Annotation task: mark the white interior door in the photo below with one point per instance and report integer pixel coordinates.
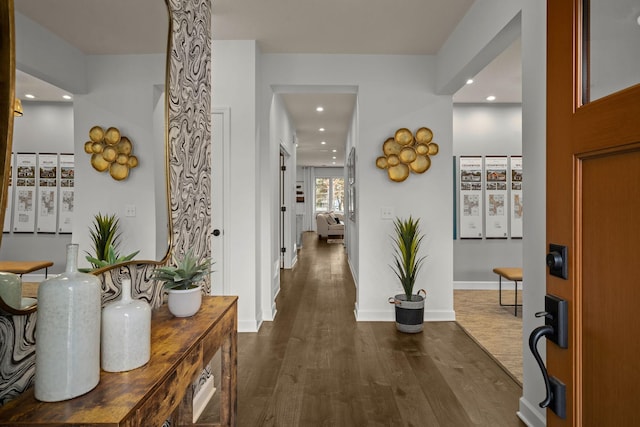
(219, 199)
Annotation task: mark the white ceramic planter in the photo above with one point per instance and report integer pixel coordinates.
(126, 332)
(185, 303)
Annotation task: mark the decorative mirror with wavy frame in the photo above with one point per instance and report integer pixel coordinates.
(188, 151)
(8, 94)
(7, 79)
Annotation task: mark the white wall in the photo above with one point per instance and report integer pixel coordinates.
(46, 127)
(108, 91)
(121, 94)
(160, 173)
(234, 75)
(303, 175)
(534, 174)
(485, 130)
(488, 28)
(613, 41)
(46, 56)
(352, 239)
(331, 172)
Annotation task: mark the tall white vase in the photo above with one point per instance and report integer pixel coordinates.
(126, 332)
(68, 333)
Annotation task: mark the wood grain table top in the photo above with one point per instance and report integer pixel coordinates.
(23, 267)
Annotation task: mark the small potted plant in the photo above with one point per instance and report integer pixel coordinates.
(105, 236)
(407, 263)
(181, 282)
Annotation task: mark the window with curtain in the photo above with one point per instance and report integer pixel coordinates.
(329, 194)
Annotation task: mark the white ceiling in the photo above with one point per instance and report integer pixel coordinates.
(284, 26)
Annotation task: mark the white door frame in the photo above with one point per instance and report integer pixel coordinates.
(287, 201)
(220, 190)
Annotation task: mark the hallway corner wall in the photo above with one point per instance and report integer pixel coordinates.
(234, 71)
(534, 170)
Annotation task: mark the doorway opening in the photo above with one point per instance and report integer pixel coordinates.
(489, 134)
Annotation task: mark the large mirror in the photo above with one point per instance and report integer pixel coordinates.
(115, 75)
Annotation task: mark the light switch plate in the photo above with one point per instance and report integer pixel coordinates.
(130, 210)
(387, 213)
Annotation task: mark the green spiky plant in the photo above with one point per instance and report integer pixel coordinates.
(407, 242)
(105, 236)
(184, 274)
(111, 258)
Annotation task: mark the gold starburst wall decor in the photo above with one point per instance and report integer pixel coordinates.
(112, 151)
(406, 153)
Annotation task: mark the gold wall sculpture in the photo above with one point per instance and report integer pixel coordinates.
(406, 153)
(112, 151)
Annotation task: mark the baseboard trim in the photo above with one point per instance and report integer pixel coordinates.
(249, 325)
(355, 282)
(530, 415)
(484, 286)
(389, 316)
(203, 397)
(439, 316)
(375, 316)
(353, 274)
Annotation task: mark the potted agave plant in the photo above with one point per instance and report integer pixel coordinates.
(407, 263)
(182, 283)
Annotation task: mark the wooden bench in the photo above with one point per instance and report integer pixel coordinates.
(24, 267)
(509, 273)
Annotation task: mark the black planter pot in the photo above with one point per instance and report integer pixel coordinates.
(409, 313)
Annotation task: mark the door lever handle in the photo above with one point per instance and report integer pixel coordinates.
(535, 336)
(556, 330)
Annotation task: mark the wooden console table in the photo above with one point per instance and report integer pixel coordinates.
(147, 396)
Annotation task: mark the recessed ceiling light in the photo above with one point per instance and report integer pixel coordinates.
(319, 109)
(321, 129)
(66, 96)
(334, 151)
(28, 95)
(296, 145)
(491, 98)
(469, 81)
(323, 142)
(334, 163)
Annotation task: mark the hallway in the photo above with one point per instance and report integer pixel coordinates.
(315, 366)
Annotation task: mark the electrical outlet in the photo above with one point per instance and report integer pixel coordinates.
(387, 212)
(130, 210)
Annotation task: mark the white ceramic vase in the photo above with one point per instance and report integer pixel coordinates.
(11, 289)
(126, 332)
(185, 303)
(68, 333)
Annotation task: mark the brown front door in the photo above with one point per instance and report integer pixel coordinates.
(593, 207)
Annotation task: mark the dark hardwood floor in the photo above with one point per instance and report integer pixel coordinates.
(316, 366)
